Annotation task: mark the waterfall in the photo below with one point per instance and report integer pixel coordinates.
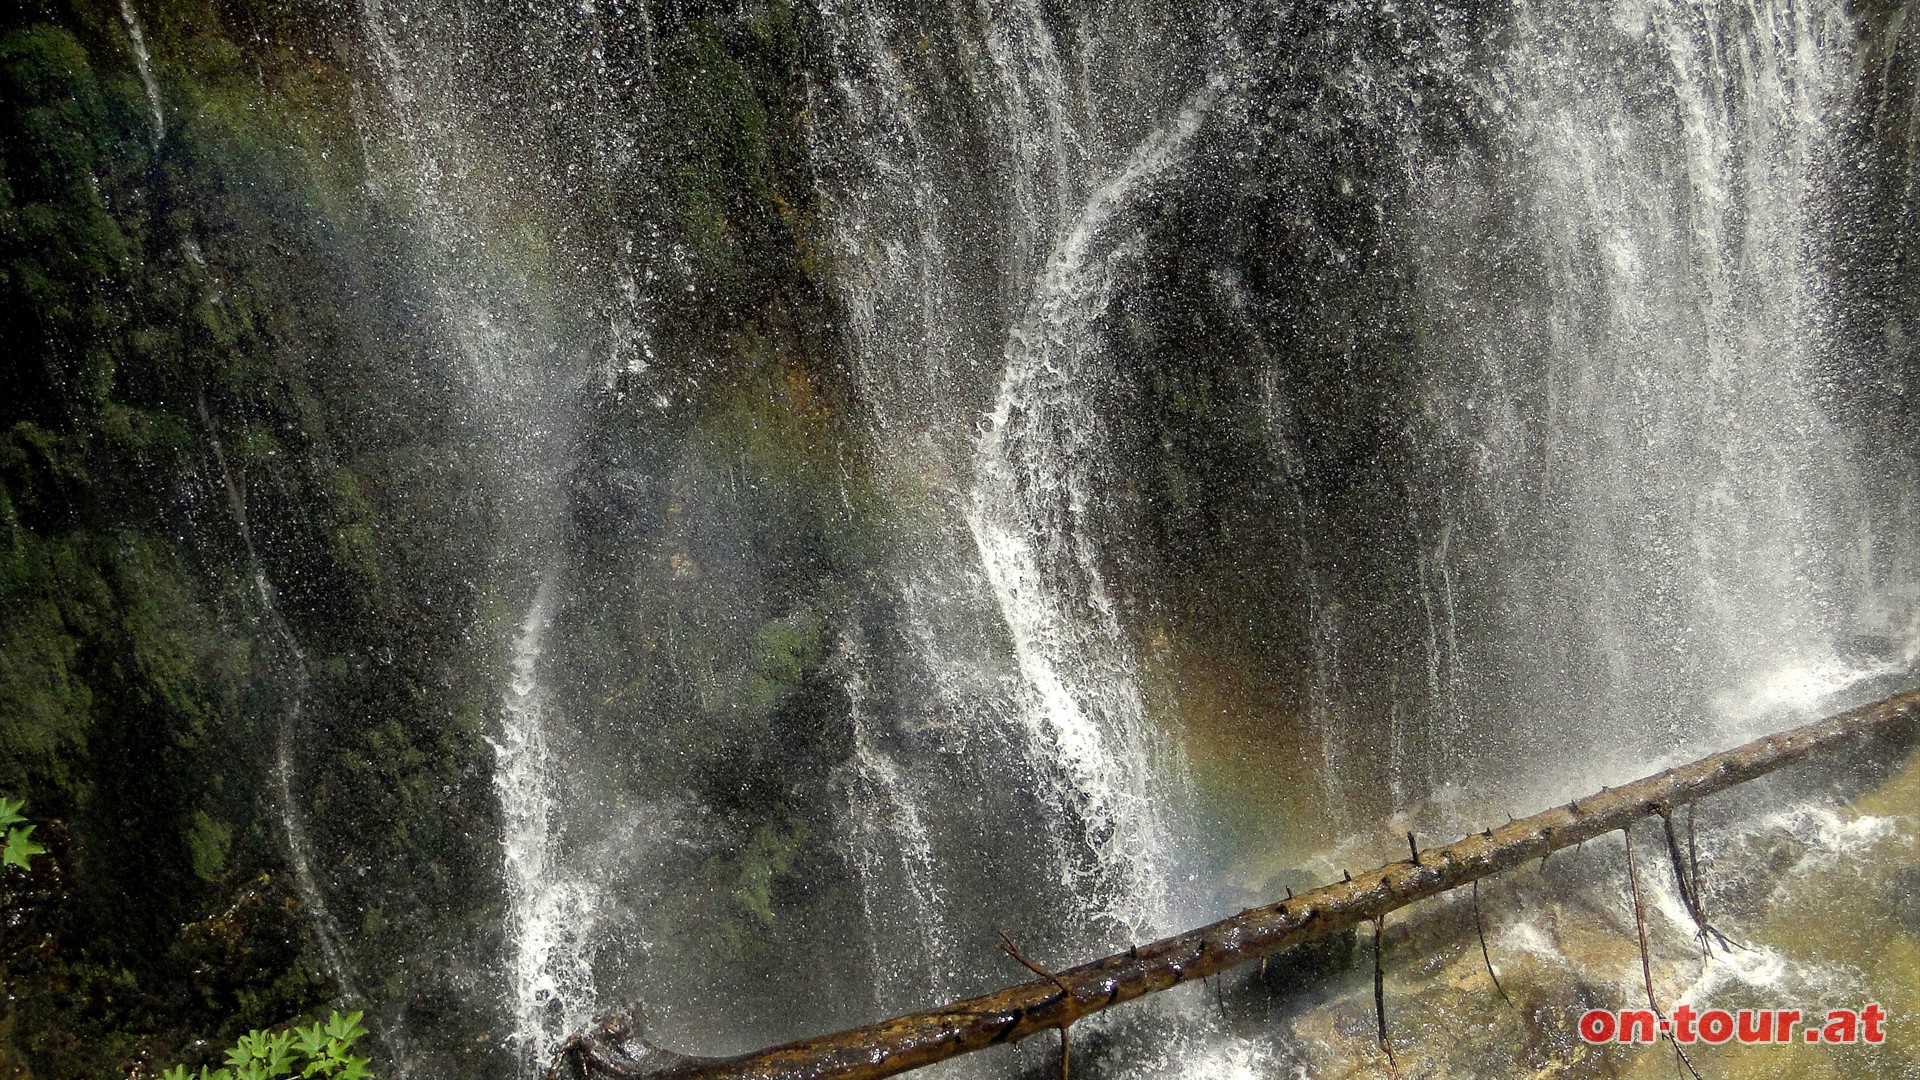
(929, 298)
(1615, 502)
(951, 260)
(519, 343)
(1552, 464)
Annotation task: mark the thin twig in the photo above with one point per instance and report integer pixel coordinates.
(1689, 883)
(1646, 962)
(1007, 945)
(1682, 881)
(1066, 1051)
(1481, 930)
(1699, 886)
(1380, 995)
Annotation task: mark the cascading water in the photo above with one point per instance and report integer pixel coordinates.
(920, 289)
(1632, 499)
(143, 63)
(1632, 388)
(551, 919)
(1653, 473)
(527, 372)
(1067, 185)
(1033, 519)
(1512, 329)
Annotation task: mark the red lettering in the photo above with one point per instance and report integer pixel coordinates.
(1718, 1026)
(1683, 1015)
(1635, 1021)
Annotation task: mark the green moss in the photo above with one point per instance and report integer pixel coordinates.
(353, 538)
(208, 842)
(770, 855)
(785, 651)
(44, 703)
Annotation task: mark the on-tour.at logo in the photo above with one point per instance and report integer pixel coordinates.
(1716, 1026)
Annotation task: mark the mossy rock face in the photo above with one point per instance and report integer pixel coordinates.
(211, 374)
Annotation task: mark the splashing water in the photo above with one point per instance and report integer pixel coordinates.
(1630, 523)
(1031, 518)
(551, 917)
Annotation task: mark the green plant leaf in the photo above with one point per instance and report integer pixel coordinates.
(255, 1045)
(20, 847)
(279, 1056)
(10, 812)
(346, 1028)
(261, 1055)
(310, 1040)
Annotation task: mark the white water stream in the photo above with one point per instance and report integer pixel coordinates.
(143, 63)
(1655, 480)
(552, 917)
(1035, 518)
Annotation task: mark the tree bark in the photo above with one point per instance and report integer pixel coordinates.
(908, 1042)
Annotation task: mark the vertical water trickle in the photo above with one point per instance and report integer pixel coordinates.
(296, 676)
(143, 63)
(1322, 621)
(293, 828)
(891, 848)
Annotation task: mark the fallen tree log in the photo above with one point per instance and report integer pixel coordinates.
(1054, 1002)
